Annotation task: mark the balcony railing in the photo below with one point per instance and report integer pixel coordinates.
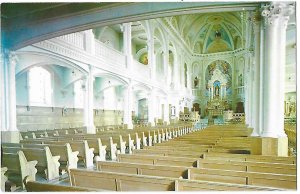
(110, 54)
(141, 69)
(75, 39)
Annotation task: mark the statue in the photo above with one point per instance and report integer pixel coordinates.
(196, 82)
(217, 89)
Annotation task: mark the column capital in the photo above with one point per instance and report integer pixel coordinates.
(13, 58)
(277, 10)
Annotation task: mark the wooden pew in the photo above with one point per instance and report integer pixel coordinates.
(143, 169)
(194, 185)
(18, 167)
(34, 186)
(171, 152)
(129, 182)
(119, 181)
(85, 152)
(3, 178)
(47, 164)
(276, 168)
(183, 148)
(246, 178)
(248, 157)
(68, 159)
(157, 160)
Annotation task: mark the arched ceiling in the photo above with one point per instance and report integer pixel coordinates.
(18, 19)
(210, 32)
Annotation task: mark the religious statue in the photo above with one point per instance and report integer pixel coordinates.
(196, 80)
(217, 90)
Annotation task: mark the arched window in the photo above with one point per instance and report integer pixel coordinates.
(40, 87)
(79, 94)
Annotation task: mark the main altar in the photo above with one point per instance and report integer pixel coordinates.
(216, 107)
(218, 76)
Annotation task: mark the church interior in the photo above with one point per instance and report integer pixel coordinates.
(144, 96)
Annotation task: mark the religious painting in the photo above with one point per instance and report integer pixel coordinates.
(218, 40)
(144, 59)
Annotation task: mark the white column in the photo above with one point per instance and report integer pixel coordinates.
(151, 56)
(166, 64)
(10, 133)
(212, 92)
(12, 93)
(176, 80)
(166, 112)
(151, 108)
(128, 99)
(276, 18)
(9, 95)
(256, 79)
(282, 37)
(127, 45)
(246, 101)
(89, 103)
(250, 102)
(128, 93)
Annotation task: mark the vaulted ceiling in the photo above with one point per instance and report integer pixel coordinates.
(211, 32)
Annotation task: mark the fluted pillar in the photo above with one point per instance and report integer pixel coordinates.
(127, 44)
(276, 16)
(151, 56)
(256, 79)
(10, 133)
(166, 112)
(128, 100)
(250, 91)
(89, 102)
(151, 108)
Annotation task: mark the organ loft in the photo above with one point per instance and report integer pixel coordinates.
(148, 96)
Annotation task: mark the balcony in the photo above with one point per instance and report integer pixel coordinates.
(141, 70)
(109, 55)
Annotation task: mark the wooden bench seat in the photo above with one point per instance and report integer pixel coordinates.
(128, 182)
(157, 160)
(47, 164)
(200, 148)
(120, 181)
(143, 169)
(249, 157)
(171, 152)
(194, 185)
(34, 186)
(247, 178)
(276, 168)
(86, 154)
(18, 167)
(68, 159)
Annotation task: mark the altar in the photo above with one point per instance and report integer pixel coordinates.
(216, 107)
(218, 81)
